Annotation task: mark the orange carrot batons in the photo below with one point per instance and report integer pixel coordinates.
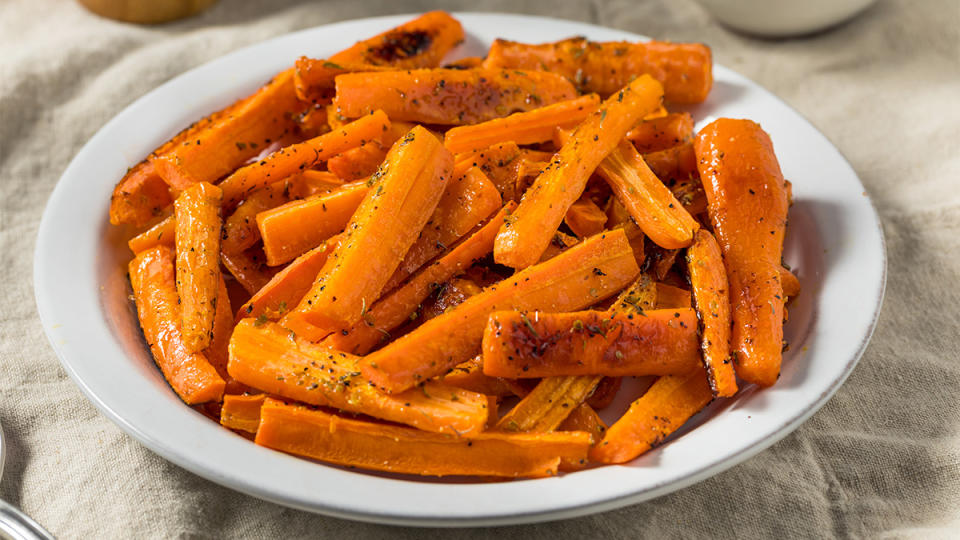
(402, 196)
(343, 441)
(684, 69)
(708, 280)
(449, 96)
(240, 228)
(747, 204)
(419, 43)
(656, 134)
(140, 196)
(583, 275)
(163, 233)
(242, 412)
(154, 289)
(523, 238)
(198, 231)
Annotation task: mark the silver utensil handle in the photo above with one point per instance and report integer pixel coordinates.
(19, 526)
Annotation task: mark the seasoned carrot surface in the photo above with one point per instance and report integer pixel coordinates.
(421, 42)
(708, 280)
(198, 231)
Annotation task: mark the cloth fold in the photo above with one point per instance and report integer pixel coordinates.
(882, 458)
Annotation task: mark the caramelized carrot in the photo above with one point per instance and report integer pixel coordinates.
(650, 203)
(313, 77)
(161, 234)
(154, 289)
(748, 208)
(523, 239)
(585, 218)
(581, 276)
(708, 281)
(288, 286)
(240, 228)
(499, 162)
(605, 392)
(639, 297)
(358, 163)
(661, 133)
(520, 345)
(466, 201)
(269, 357)
(310, 182)
(396, 308)
(549, 404)
(301, 156)
(247, 268)
(469, 376)
(402, 196)
(523, 127)
(675, 164)
(140, 196)
(232, 138)
(691, 196)
(366, 445)
(684, 69)
(419, 43)
(666, 406)
(448, 96)
(198, 231)
(584, 418)
(242, 412)
(670, 297)
(292, 229)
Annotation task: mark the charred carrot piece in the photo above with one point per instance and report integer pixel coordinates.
(248, 268)
(285, 289)
(585, 218)
(522, 128)
(650, 203)
(161, 234)
(708, 281)
(583, 275)
(154, 290)
(661, 133)
(140, 196)
(549, 404)
(233, 137)
(521, 345)
(666, 406)
(242, 412)
(523, 239)
(298, 157)
(748, 208)
(198, 231)
(269, 357)
(396, 308)
(448, 96)
(466, 201)
(366, 445)
(684, 69)
(292, 229)
(401, 199)
(240, 228)
(419, 43)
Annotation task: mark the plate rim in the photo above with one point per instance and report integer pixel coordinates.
(163, 449)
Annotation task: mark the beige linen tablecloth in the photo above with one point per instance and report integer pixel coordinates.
(882, 458)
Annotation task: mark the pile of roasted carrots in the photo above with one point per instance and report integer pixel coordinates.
(415, 249)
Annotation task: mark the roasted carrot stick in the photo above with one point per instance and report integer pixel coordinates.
(670, 297)
(748, 208)
(217, 353)
(402, 196)
(162, 233)
(666, 406)
(499, 162)
(581, 276)
(675, 164)
(449, 96)
(313, 77)
(154, 289)
(684, 69)
(301, 156)
(396, 308)
(691, 196)
(292, 229)
(366, 445)
(523, 239)
(585, 218)
(639, 297)
(269, 357)
(661, 133)
(548, 404)
(466, 201)
(140, 196)
(232, 138)
(285, 289)
(584, 418)
(248, 268)
(362, 162)
(310, 182)
(708, 281)
(242, 412)
(521, 345)
(522, 128)
(650, 203)
(240, 228)
(469, 376)
(198, 231)
(419, 43)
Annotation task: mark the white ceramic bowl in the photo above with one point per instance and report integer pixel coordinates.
(834, 241)
(783, 18)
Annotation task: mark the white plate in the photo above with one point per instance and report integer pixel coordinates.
(834, 241)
